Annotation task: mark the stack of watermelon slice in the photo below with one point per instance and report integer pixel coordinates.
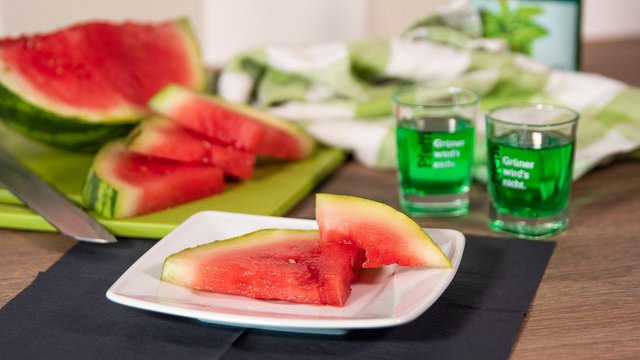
(186, 154)
(83, 86)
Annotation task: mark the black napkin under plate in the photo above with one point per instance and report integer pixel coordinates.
(64, 314)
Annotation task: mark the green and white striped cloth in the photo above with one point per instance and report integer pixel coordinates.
(341, 91)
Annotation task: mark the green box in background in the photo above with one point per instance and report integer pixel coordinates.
(547, 30)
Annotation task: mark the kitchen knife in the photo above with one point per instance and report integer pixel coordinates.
(60, 212)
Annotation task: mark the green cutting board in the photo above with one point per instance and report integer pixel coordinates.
(275, 188)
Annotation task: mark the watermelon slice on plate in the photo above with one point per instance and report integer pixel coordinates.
(122, 184)
(273, 264)
(387, 235)
(384, 297)
(161, 138)
(243, 127)
(82, 85)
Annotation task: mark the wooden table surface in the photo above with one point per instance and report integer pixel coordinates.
(588, 304)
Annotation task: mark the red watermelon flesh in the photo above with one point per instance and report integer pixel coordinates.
(124, 184)
(240, 126)
(386, 235)
(100, 70)
(161, 138)
(276, 264)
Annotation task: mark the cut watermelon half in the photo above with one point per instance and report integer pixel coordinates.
(275, 264)
(161, 138)
(122, 184)
(240, 126)
(59, 87)
(387, 235)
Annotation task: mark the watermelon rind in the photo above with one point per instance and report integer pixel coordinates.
(173, 95)
(106, 196)
(100, 196)
(365, 221)
(68, 133)
(204, 81)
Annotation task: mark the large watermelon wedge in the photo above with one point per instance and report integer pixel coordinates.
(289, 265)
(162, 138)
(387, 235)
(243, 127)
(123, 184)
(82, 85)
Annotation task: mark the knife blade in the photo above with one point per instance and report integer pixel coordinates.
(60, 212)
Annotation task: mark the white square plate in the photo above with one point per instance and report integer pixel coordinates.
(384, 297)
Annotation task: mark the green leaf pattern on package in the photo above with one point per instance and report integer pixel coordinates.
(516, 26)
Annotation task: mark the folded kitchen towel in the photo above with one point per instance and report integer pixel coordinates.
(341, 91)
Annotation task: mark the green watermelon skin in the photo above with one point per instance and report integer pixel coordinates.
(62, 132)
(122, 184)
(270, 264)
(101, 197)
(109, 82)
(386, 235)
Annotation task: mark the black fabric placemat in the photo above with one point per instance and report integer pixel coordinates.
(64, 314)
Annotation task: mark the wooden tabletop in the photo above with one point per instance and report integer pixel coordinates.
(588, 304)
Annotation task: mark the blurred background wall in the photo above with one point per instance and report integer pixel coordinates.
(228, 26)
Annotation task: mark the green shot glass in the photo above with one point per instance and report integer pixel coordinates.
(530, 150)
(435, 141)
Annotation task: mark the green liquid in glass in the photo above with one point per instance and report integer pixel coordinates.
(530, 173)
(435, 155)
